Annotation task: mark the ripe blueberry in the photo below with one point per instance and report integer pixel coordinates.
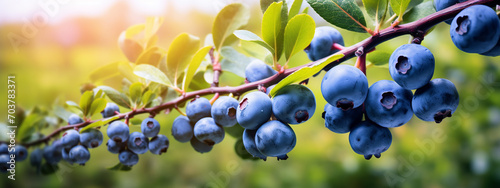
(436, 100)
(118, 131)
(74, 119)
(70, 139)
(322, 42)
(138, 143)
(442, 4)
(182, 129)
(294, 104)
(258, 70)
(4, 148)
(341, 121)
(91, 138)
(224, 111)
(159, 144)
(411, 66)
(36, 157)
(79, 154)
(275, 138)
(21, 153)
(110, 110)
(51, 155)
(200, 146)
(208, 132)
(367, 138)
(65, 156)
(4, 159)
(344, 86)
(254, 110)
(115, 147)
(150, 127)
(128, 158)
(249, 143)
(198, 108)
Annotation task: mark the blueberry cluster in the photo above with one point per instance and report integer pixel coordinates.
(10, 155)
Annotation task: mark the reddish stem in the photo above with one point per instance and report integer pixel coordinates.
(337, 46)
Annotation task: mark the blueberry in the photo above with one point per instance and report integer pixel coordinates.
(36, 157)
(138, 143)
(110, 110)
(150, 127)
(51, 155)
(208, 132)
(254, 110)
(322, 42)
(118, 131)
(91, 138)
(442, 4)
(495, 51)
(4, 159)
(475, 29)
(224, 111)
(159, 144)
(344, 86)
(294, 104)
(21, 153)
(200, 146)
(436, 100)
(369, 139)
(275, 138)
(79, 154)
(4, 149)
(198, 108)
(128, 158)
(65, 156)
(341, 121)
(388, 104)
(58, 145)
(70, 139)
(182, 129)
(258, 70)
(411, 66)
(249, 143)
(74, 119)
(115, 147)
(268, 89)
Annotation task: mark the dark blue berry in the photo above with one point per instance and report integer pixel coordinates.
(118, 131)
(36, 157)
(159, 144)
(74, 119)
(249, 143)
(436, 100)
(128, 158)
(91, 138)
(70, 139)
(341, 121)
(200, 146)
(138, 143)
(322, 42)
(254, 110)
(182, 129)
(208, 132)
(198, 108)
(275, 138)
(411, 66)
(224, 111)
(345, 87)
(110, 110)
(79, 154)
(369, 139)
(294, 104)
(150, 127)
(258, 70)
(115, 147)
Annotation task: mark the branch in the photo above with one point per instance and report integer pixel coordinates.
(415, 29)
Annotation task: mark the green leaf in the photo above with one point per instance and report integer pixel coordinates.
(198, 82)
(29, 125)
(73, 105)
(305, 72)
(252, 37)
(345, 14)
(152, 73)
(180, 52)
(295, 9)
(135, 92)
(376, 9)
(378, 57)
(60, 112)
(104, 72)
(240, 150)
(152, 26)
(129, 46)
(120, 167)
(86, 101)
(148, 97)
(193, 66)
(115, 96)
(151, 56)
(419, 11)
(399, 7)
(229, 19)
(98, 123)
(127, 71)
(234, 61)
(306, 10)
(264, 4)
(298, 34)
(97, 106)
(273, 28)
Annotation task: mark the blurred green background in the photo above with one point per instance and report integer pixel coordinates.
(463, 151)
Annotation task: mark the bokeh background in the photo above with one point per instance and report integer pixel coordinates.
(57, 56)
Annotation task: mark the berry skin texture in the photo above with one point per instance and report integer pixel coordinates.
(198, 108)
(341, 121)
(36, 157)
(65, 156)
(344, 86)
(475, 29)
(224, 111)
(275, 139)
(91, 138)
(294, 104)
(495, 51)
(321, 44)
(118, 131)
(128, 158)
(249, 143)
(4, 149)
(21, 153)
(258, 70)
(158, 144)
(115, 147)
(200, 147)
(51, 155)
(138, 143)
(255, 109)
(208, 132)
(70, 139)
(388, 104)
(411, 66)
(4, 159)
(436, 100)
(79, 154)
(369, 139)
(74, 119)
(150, 127)
(110, 109)
(182, 129)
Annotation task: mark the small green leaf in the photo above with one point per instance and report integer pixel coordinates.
(104, 72)
(264, 4)
(148, 97)
(120, 167)
(298, 34)
(86, 101)
(234, 61)
(108, 120)
(135, 92)
(179, 55)
(152, 73)
(152, 26)
(127, 71)
(60, 112)
(193, 66)
(229, 19)
(419, 11)
(97, 106)
(345, 14)
(198, 82)
(273, 28)
(295, 9)
(252, 37)
(129, 46)
(378, 57)
(92, 125)
(73, 105)
(376, 9)
(115, 96)
(152, 56)
(305, 72)
(306, 10)
(399, 7)
(29, 126)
